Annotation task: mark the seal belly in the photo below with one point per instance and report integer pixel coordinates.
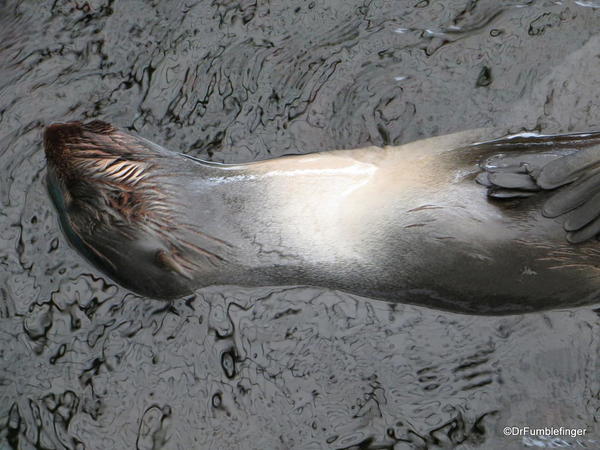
(333, 206)
(418, 229)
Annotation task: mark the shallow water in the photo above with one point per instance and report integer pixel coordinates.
(84, 364)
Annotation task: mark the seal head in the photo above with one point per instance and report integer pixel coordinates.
(118, 205)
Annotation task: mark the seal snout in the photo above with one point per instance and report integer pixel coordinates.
(58, 141)
(64, 142)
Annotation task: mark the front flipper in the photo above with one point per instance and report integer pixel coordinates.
(568, 165)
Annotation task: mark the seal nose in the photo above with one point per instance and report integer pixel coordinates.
(57, 137)
(57, 131)
(52, 136)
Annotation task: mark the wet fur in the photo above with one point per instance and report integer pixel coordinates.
(403, 224)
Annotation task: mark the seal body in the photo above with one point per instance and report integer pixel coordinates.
(454, 222)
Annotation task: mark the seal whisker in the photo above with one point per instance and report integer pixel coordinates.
(91, 248)
(202, 251)
(204, 235)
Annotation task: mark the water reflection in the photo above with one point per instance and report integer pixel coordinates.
(85, 364)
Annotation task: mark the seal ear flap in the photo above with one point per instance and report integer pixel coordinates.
(572, 174)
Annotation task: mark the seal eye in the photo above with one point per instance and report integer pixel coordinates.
(122, 198)
(125, 203)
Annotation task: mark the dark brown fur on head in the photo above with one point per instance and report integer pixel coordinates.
(60, 140)
(76, 149)
(117, 199)
(102, 171)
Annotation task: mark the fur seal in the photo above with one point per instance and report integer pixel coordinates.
(456, 222)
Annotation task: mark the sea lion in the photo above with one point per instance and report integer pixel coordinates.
(456, 222)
